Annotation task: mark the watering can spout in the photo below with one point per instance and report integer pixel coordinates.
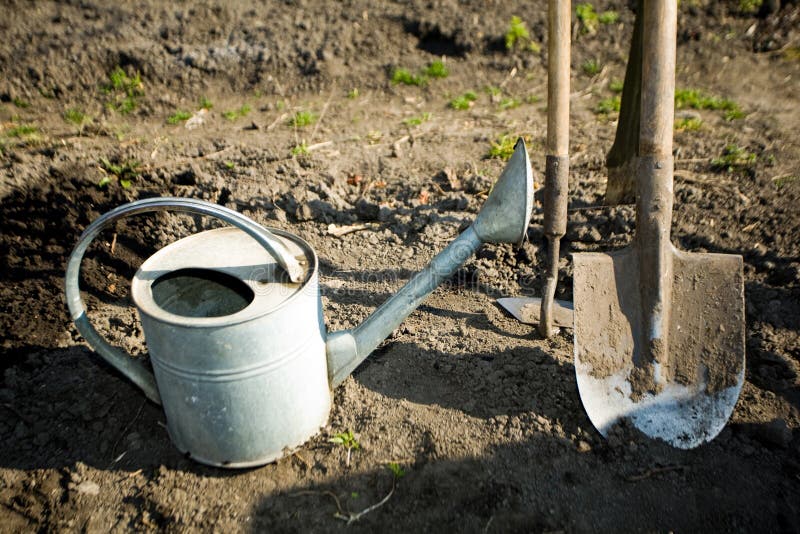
(504, 218)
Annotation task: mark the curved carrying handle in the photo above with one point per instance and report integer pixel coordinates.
(122, 361)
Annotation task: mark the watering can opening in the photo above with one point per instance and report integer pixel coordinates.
(201, 293)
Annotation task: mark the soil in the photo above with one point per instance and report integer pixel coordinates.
(481, 414)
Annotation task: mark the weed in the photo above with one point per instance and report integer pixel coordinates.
(587, 17)
(205, 103)
(229, 165)
(502, 148)
(234, 114)
(396, 470)
(23, 130)
(608, 17)
(509, 103)
(300, 150)
(782, 181)
(734, 158)
(416, 121)
(532, 99)
(179, 116)
(436, 69)
(347, 440)
(688, 124)
(591, 67)
(353, 94)
(404, 76)
(301, 119)
(517, 31)
(616, 86)
(749, 7)
(493, 92)
(75, 116)
(125, 90)
(22, 104)
(608, 105)
(695, 99)
(124, 172)
(464, 101)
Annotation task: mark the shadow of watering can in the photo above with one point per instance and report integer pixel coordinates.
(232, 317)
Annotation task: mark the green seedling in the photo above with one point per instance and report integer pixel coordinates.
(509, 103)
(591, 67)
(405, 77)
(301, 119)
(608, 17)
(608, 105)
(436, 69)
(75, 116)
(416, 121)
(396, 470)
(124, 172)
(532, 99)
(688, 124)
(348, 441)
(616, 86)
(587, 17)
(234, 114)
(300, 150)
(22, 131)
(205, 103)
(22, 104)
(749, 7)
(179, 116)
(517, 31)
(125, 90)
(464, 101)
(695, 99)
(229, 165)
(353, 94)
(783, 181)
(734, 159)
(502, 148)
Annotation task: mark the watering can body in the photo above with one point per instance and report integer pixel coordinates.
(238, 389)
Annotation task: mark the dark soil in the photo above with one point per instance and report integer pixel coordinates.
(482, 415)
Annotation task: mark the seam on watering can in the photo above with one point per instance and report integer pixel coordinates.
(240, 373)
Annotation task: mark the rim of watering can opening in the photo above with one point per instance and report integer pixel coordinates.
(142, 295)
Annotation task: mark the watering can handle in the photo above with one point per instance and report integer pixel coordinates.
(118, 358)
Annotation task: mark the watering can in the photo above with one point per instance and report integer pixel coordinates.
(242, 363)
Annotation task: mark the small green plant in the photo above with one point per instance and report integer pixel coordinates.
(502, 148)
(124, 172)
(300, 149)
(695, 99)
(205, 103)
(436, 69)
(347, 440)
(616, 86)
(22, 104)
(75, 116)
(464, 101)
(396, 470)
(688, 124)
(587, 17)
(749, 7)
(608, 17)
(301, 119)
(124, 90)
(509, 103)
(405, 77)
(532, 99)
(734, 159)
(416, 121)
(517, 31)
(353, 94)
(22, 131)
(234, 114)
(591, 67)
(782, 181)
(608, 105)
(229, 165)
(179, 116)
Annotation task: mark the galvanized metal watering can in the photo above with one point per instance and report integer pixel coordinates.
(232, 318)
